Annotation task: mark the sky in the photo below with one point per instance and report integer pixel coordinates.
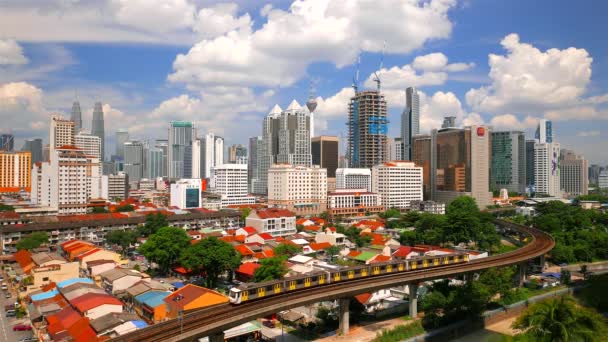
(224, 65)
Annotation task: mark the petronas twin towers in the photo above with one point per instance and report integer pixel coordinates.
(97, 125)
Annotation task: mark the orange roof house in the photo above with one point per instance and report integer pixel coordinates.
(24, 259)
(246, 271)
(192, 297)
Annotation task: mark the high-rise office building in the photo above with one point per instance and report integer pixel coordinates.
(574, 178)
(76, 116)
(186, 193)
(530, 164)
(34, 146)
(367, 129)
(351, 178)
(546, 169)
(115, 186)
(90, 144)
(508, 161)
(544, 131)
(229, 181)
(197, 155)
(122, 136)
(449, 122)
(410, 122)
(179, 149)
(67, 182)
(460, 164)
(15, 171)
(421, 156)
(300, 189)
(252, 162)
(98, 128)
(285, 139)
(61, 133)
(163, 145)
(155, 163)
(324, 151)
(594, 173)
(134, 160)
(212, 153)
(237, 154)
(398, 183)
(7, 142)
(602, 179)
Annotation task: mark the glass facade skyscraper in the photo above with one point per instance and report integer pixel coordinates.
(410, 122)
(76, 116)
(97, 127)
(179, 156)
(508, 161)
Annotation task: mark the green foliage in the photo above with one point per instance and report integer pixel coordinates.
(593, 197)
(400, 333)
(122, 238)
(270, 269)
(390, 213)
(34, 240)
(325, 216)
(300, 227)
(498, 280)
(165, 247)
(244, 213)
(332, 251)
(514, 295)
(286, 249)
(594, 294)
(565, 277)
(580, 235)
(99, 210)
(354, 235)
(153, 223)
(562, 320)
(125, 208)
(5, 207)
(213, 256)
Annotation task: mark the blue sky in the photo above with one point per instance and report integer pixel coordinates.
(224, 65)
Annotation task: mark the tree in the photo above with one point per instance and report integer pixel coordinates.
(213, 256)
(99, 210)
(122, 238)
(565, 277)
(561, 320)
(392, 212)
(165, 246)
(153, 223)
(34, 240)
(498, 280)
(325, 216)
(332, 251)
(4, 207)
(286, 249)
(244, 213)
(584, 271)
(270, 269)
(125, 208)
(594, 294)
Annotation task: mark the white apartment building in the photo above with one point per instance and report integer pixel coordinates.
(115, 186)
(61, 133)
(546, 169)
(186, 193)
(398, 183)
(430, 207)
(90, 144)
(67, 182)
(276, 222)
(574, 176)
(212, 153)
(300, 189)
(602, 180)
(351, 178)
(230, 182)
(351, 202)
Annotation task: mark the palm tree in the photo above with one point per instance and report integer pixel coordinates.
(561, 320)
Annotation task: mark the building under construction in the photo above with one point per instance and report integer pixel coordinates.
(367, 129)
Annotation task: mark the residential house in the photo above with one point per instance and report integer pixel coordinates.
(98, 254)
(105, 324)
(331, 237)
(151, 306)
(95, 305)
(246, 271)
(192, 297)
(277, 222)
(245, 231)
(120, 279)
(261, 238)
(43, 268)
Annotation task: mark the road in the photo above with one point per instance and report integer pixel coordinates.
(214, 320)
(6, 323)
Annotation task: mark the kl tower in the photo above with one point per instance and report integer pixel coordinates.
(311, 104)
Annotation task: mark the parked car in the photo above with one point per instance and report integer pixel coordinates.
(22, 327)
(11, 313)
(7, 295)
(269, 324)
(29, 339)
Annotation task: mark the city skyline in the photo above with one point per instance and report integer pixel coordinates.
(457, 70)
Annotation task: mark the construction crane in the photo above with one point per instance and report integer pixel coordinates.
(377, 73)
(356, 78)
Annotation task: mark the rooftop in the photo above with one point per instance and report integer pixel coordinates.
(190, 293)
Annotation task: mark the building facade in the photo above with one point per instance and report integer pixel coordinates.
(324, 151)
(574, 177)
(7, 142)
(421, 156)
(230, 182)
(397, 183)
(122, 136)
(508, 161)
(179, 149)
(352, 178)
(546, 169)
(353, 202)
(602, 179)
(430, 207)
(34, 146)
(76, 116)
(530, 164)
(300, 189)
(276, 222)
(98, 127)
(237, 154)
(115, 186)
(367, 129)
(212, 153)
(90, 144)
(134, 160)
(410, 122)
(186, 193)
(253, 165)
(15, 172)
(61, 133)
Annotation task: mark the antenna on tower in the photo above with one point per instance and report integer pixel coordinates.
(356, 78)
(377, 73)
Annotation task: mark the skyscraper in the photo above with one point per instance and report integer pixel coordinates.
(546, 169)
(76, 117)
(134, 160)
(410, 122)
(163, 145)
(90, 144)
(122, 136)
(594, 173)
(252, 162)
(508, 161)
(35, 147)
(181, 136)
(325, 153)
(449, 122)
(574, 178)
(212, 153)
(544, 131)
(237, 154)
(15, 171)
(421, 156)
(97, 127)
(61, 133)
(530, 164)
(7, 142)
(367, 129)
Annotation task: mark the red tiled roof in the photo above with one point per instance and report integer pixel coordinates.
(381, 258)
(319, 221)
(403, 251)
(9, 215)
(265, 236)
(24, 259)
(62, 320)
(363, 298)
(274, 213)
(90, 301)
(353, 254)
(248, 268)
(312, 228)
(85, 254)
(250, 230)
(244, 250)
(81, 331)
(182, 270)
(68, 147)
(190, 293)
(319, 246)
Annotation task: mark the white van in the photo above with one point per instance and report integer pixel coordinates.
(4, 287)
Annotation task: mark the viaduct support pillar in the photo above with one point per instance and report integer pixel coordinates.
(521, 278)
(413, 290)
(542, 263)
(344, 315)
(217, 337)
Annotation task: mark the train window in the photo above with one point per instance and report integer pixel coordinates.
(300, 281)
(269, 288)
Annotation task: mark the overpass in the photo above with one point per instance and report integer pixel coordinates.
(213, 321)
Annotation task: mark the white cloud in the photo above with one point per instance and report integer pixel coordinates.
(581, 112)
(332, 108)
(512, 122)
(11, 53)
(586, 134)
(278, 53)
(528, 80)
(434, 108)
(21, 106)
(220, 19)
(431, 62)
